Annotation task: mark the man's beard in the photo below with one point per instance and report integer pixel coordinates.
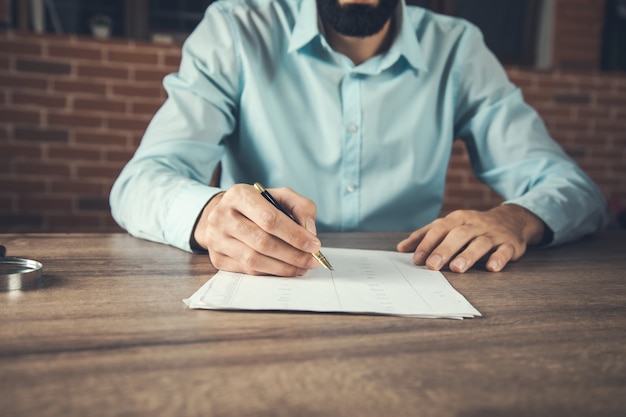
(358, 20)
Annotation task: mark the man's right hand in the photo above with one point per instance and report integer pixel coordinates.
(245, 233)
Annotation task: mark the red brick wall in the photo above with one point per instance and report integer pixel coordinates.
(72, 111)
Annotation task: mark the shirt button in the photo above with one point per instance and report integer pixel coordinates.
(352, 128)
(351, 187)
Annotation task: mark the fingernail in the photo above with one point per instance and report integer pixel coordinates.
(419, 257)
(435, 262)
(309, 225)
(312, 246)
(459, 264)
(494, 266)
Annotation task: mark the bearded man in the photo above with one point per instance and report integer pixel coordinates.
(350, 108)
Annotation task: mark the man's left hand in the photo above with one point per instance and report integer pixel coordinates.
(463, 237)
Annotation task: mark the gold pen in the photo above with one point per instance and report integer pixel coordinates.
(319, 256)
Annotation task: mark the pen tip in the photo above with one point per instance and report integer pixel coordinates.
(322, 260)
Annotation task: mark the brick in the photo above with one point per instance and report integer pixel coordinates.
(80, 87)
(581, 126)
(473, 191)
(131, 90)
(73, 222)
(536, 97)
(73, 120)
(93, 203)
(21, 150)
(459, 150)
(15, 82)
(36, 133)
(19, 116)
(43, 67)
(594, 167)
(584, 113)
(572, 98)
(610, 127)
(595, 84)
(22, 186)
(107, 105)
(40, 99)
(458, 164)
(146, 108)
(576, 152)
(148, 75)
(41, 168)
(74, 153)
(11, 221)
(606, 154)
(99, 171)
(45, 204)
(107, 138)
(18, 47)
(127, 123)
(557, 113)
(172, 60)
(612, 101)
(75, 52)
(556, 82)
(102, 71)
(133, 57)
(118, 156)
(78, 186)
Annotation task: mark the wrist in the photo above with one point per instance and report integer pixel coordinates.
(532, 229)
(198, 237)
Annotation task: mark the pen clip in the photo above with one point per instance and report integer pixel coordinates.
(271, 199)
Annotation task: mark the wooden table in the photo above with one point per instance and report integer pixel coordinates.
(108, 335)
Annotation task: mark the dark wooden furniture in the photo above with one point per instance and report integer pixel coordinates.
(108, 335)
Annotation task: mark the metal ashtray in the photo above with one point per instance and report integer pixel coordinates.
(18, 273)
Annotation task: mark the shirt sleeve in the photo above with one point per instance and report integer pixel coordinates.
(512, 152)
(164, 187)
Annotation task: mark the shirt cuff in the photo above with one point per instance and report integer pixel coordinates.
(184, 212)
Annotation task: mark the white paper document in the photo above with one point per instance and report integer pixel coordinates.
(363, 282)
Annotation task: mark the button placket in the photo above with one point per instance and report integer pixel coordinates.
(351, 150)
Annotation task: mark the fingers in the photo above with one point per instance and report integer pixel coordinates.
(410, 243)
(500, 257)
(299, 234)
(245, 233)
(462, 238)
(233, 255)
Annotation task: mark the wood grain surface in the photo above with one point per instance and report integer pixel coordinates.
(107, 334)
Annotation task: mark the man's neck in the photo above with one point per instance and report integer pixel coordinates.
(360, 50)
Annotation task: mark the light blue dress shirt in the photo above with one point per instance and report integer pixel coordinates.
(260, 90)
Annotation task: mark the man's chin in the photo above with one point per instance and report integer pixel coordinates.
(360, 18)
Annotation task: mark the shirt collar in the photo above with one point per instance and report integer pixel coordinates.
(406, 43)
(307, 27)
